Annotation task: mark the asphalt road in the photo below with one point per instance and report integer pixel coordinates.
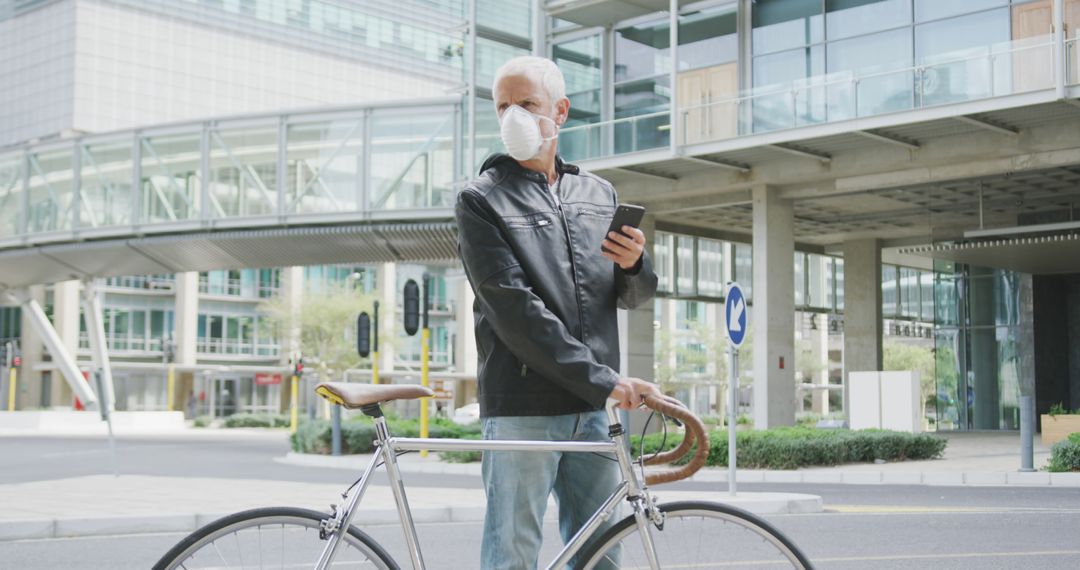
(865, 526)
(883, 539)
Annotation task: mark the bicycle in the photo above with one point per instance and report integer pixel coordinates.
(697, 534)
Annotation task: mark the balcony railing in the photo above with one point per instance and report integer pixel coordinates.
(620, 136)
(1012, 68)
(226, 346)
(999, 70)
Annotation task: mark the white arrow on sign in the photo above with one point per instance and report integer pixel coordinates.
(735, 315)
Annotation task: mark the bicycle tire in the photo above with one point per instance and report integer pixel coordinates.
(730, 538)
(192, 551)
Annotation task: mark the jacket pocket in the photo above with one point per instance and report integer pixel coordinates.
(534, 222)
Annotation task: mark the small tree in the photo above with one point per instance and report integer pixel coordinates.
(326, 320)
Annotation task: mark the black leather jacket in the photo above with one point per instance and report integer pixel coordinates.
(546, 330)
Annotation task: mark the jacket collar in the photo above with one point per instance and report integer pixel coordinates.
(501, 160)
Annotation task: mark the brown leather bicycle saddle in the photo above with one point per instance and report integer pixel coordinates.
(354, 396)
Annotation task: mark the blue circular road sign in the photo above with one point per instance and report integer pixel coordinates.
(735, 320)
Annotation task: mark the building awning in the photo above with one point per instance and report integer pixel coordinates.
(1042, 255)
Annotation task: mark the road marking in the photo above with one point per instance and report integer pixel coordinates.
(921, 509)
(953, 555)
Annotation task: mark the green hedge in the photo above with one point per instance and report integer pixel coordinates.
(794, 447)
(1065, 455)
(257, 421)
(358, 435)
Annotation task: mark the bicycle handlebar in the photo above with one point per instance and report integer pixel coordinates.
(695, 432)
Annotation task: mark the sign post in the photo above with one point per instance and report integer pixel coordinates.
(735, 322)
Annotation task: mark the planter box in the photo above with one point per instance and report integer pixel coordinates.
(1057, 428)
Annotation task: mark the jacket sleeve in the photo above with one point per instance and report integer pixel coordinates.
(637, 285)
(519, 317)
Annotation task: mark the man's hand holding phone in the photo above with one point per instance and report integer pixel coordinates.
(625, 243)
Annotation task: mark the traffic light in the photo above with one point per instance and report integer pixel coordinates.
(298, 369)
(412, 307)
(363, 335)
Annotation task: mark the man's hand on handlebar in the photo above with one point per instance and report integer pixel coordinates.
(629, 392)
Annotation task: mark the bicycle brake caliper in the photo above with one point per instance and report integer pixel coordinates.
(656, 516)
(328, 526)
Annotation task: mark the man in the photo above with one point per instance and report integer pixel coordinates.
(531, 232)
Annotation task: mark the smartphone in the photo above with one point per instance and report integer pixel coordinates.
(625, 215)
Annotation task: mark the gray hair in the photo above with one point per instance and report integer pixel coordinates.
(538, 69)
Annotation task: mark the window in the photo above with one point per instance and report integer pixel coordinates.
(784, 24)
(847, 18)
(579, 61)
(708, 37)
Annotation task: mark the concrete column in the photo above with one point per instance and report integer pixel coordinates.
(35, 388)
(773, 300)
(465, 357)
(292, 293)
(186, 317)
(388, 293)
(862, 309)
(821, 337)
(640, 335)
(66, 313)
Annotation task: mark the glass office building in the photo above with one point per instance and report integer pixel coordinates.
(167, 117)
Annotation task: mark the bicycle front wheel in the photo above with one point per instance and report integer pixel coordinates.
(699, 535)
(277, 537)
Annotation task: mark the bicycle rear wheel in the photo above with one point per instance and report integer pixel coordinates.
(276, 537)
(699, 535)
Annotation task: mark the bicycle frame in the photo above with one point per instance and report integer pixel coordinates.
(387, 448)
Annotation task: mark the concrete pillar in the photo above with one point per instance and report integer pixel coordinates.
(773, 316)
(387, 291)
(640, 335)
(465, 357)
(66, 313)
(821, 338)
(292, 294)
(862, 309)
(186, 318)
(35, 388)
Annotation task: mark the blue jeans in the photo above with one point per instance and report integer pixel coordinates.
(518, 484)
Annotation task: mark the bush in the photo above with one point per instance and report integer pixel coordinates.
(358, 435)
(202, 421)
(1065, 455)
(794, 447)
(257, 421)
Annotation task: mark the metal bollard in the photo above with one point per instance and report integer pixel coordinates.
(335, 430)
(1027, 433)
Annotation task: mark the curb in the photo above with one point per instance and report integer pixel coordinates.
(720, 475)
(10, 530)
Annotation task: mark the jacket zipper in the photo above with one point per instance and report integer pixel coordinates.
(573, 264)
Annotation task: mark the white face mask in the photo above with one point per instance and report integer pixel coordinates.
(520, 132)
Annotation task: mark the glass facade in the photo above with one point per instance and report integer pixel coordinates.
(977, 350)
(809, 62)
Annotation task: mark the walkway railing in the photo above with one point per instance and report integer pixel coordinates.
(239, 172)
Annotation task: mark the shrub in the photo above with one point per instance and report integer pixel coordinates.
(257, 421)
(358, 435)
(1065, 455)
(794, 447)
(202, 421)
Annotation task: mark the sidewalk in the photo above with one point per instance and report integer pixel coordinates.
(986, 458)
